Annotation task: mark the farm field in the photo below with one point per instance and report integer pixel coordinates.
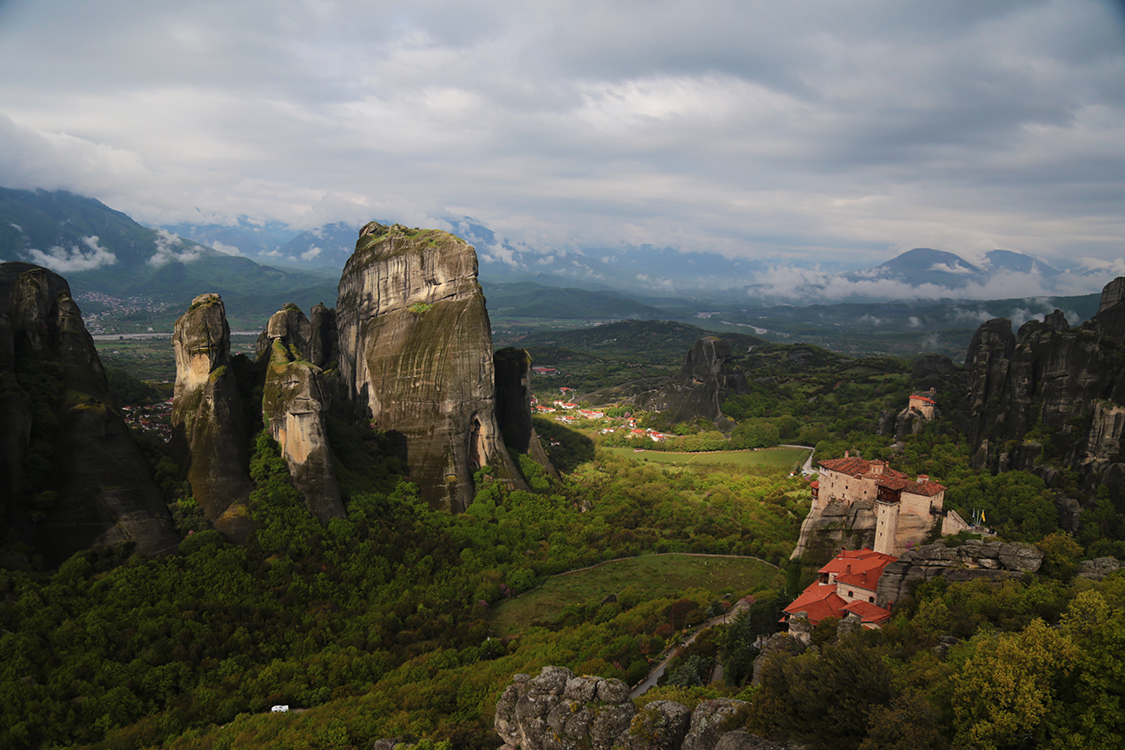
(780, 459)
(649, 576)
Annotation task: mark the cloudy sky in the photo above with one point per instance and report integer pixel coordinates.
(806, 132)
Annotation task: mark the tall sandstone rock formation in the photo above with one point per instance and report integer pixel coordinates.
(416, 356)
(1051, 395)
(707, 377)
(209, 430)
(294, 400)
(513, 406)
(73, 478)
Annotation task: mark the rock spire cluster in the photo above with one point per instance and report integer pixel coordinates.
(408, 350)
(1051, 391)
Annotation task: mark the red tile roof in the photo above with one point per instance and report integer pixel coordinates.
(869, 612)
(859, 568)
(818, 601)
(888, 477)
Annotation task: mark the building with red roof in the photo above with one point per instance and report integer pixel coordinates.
(906, 509)
(847, 584)
(923, 403)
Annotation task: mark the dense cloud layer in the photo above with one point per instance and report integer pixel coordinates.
(791, 132)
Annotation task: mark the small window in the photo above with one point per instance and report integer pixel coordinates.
(871, 599)
(851, 593)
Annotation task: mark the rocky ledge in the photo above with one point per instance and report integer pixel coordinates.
(988, 560)
(558, 711)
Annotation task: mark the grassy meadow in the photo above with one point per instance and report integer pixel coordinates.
(648, 577)
(780, 459)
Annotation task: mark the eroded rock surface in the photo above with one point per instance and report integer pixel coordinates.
(703, 383)
(834, 525)
(416, 356)
(294, 400)
(1066, 382)
(513, 405)
(988, 560)
(208, 428)
(79, 480)
(558, 711)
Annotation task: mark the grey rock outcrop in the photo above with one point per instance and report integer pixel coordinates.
(660, 725)
(975, 560)
(294, 400)
(706, 723)
(707, 377)
(558, 711)
(834, 525)
(1068, 382)
(1098, 568)
(739, 740)
(416, 356)
(793, 643)
(73, 478)
(209, 432)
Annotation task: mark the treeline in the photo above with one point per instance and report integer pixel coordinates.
(1033, 663)
(383, 614)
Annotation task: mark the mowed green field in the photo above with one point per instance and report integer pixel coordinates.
(650, 576)
(781, 459)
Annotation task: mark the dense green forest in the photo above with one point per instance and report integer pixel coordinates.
(379, 623)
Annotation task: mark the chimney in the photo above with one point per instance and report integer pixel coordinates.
(923, 478)
(847, 454)
(877, 467)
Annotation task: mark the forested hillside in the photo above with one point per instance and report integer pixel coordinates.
(380, 624)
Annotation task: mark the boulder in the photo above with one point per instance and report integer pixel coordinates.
(706, 722)
(740, 740)
(558, 711)
(1098, 568)
(660, 725)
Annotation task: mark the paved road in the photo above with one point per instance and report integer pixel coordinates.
(740, 606)
(807, 468)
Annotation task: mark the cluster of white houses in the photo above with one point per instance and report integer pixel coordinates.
(907, 511)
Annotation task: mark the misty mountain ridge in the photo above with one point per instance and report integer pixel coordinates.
(106, 251)
(650, 271)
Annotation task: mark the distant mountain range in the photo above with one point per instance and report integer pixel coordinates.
(99, 249)
(646, 271)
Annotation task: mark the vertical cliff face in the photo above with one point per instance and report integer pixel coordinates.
(73, 476)
(323, 349)
(208, 428)
(703, 383)
(416, 356)
(513, 406)
(1052, 383)
(293, 403)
